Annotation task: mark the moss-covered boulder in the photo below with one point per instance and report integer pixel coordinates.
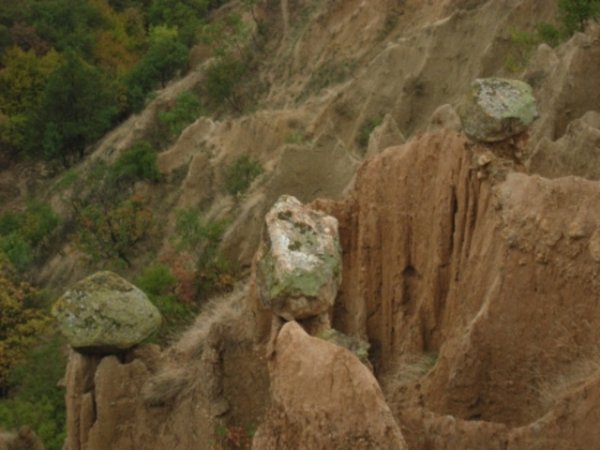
(496, 109)
(299, 262)
(104, 313)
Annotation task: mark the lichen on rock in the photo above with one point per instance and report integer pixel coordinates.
(299, 262)
(104, 313)
(496, 109)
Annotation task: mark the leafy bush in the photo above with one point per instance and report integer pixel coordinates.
(21, 324)
(17, 250)
(233, 438)
(136, 164)
(165, 57)
(111, 233)
(576, 13)
(549, 34)
(208, 271)
(22, 234)
(240, 174)
(187, 108)
(36, 400)
(159, 283)
(223, 78)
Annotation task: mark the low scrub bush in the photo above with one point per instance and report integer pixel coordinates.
(159, 283)
(35, 399)
(24, 235)
(240, 175)
(186, 110)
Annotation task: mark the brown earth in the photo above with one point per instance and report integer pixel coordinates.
(473, 271)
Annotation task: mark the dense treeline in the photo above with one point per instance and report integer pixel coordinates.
(71, 69)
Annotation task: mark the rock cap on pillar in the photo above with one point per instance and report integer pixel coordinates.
(299, 262)
(105, 313)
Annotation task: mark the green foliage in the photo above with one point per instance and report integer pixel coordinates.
(111, 233)
(212, 271)
(76, 109)
(187, 108)
(549, 34)
(36, 400)
(233, 438)
(136, 164)
(21, 325)
(230, 40)
(575, 14)
(17, 250)
(22, 234)
(240, 174)
(165, 57)
(22, 83)
(159, 283)
(362, 139)
(223, 78)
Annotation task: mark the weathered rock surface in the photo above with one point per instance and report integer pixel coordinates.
(176, 399)
(299, 262)
(496, 109)
(497, 276)
(23, 439)
(323, 398)
(105, 313)
(577, 152)
(446, 117)
(387, 134)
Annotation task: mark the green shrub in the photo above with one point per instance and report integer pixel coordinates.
(156, 280)
(17, 250)
(36, 400)
(22, 234)
(223, 78)
(240, 174)
(213, 272)
(575, 14)
(159, 283)
(549, 34)
(362, 139)
(187, 108)
(39, 221)
(136, 164)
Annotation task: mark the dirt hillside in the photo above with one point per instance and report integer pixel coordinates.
(473, 271)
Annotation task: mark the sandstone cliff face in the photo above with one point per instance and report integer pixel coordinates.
(475, 281)
(493, 270)
(447, 251)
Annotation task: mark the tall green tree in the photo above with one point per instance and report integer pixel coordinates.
(22, 83)
(76, 109)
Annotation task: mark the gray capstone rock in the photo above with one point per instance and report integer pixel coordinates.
(496, 109)
(299, 262)
(104, 313)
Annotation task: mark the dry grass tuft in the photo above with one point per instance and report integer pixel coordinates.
(560, 386)
(177, 375)
(407, 371)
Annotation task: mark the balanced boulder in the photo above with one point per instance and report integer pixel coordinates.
(299, 262)
(496, 109)
(104, 313)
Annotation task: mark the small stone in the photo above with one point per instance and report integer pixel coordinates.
(576, 230)
(104, 313)
(496, 109)
(483, 160)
